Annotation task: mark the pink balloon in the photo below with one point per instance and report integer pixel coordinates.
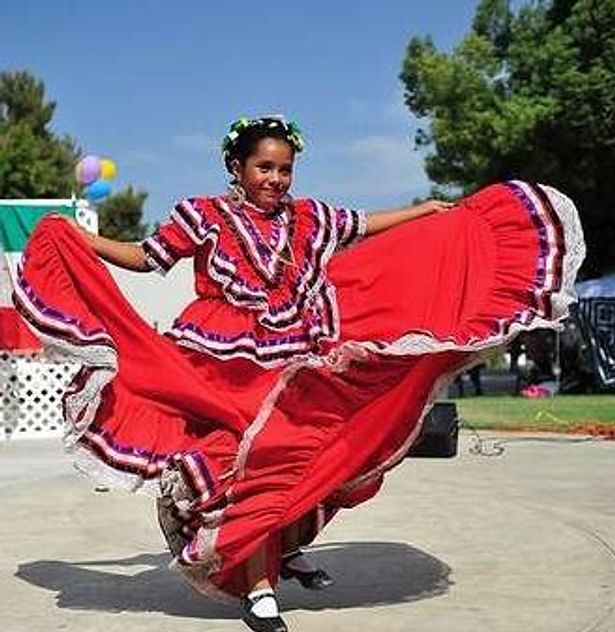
(88, 169)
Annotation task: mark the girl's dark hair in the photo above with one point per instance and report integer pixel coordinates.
(245, 134)
(246, 144)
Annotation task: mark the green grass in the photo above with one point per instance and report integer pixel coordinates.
(561, 413)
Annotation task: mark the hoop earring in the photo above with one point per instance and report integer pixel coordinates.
(287, 199)
(236, 192)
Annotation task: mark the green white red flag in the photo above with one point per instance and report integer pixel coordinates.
(18, 219)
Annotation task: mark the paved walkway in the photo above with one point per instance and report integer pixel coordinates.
(520, 542)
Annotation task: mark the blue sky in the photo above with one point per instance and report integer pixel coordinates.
(154, 84)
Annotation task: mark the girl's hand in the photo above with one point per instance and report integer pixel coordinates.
(377, 221)
(434, 206)
(71, 220)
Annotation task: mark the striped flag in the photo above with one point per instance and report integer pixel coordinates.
(17, 221)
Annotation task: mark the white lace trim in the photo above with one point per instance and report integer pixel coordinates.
(81, 405)
(401, 452)
(103, 474)
(196, 574)
(417, 344)
(424, 343)
(198, 577)
(263, 415)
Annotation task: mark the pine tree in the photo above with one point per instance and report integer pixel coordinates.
(120, 215)
(34, 162)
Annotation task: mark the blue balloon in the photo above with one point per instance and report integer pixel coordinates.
(98, 190)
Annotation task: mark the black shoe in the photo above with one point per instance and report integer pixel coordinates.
(312, 580)
(260, 624)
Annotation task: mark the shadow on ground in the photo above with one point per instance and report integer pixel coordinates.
(366, 574)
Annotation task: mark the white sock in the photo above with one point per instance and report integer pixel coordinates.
(266, 607)
(302, 564)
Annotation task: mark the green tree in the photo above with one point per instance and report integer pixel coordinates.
(34, 162)
(120, 216)
(527, 94)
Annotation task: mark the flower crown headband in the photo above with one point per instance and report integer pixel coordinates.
(238, 127)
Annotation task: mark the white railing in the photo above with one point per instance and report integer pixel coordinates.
(31, 388)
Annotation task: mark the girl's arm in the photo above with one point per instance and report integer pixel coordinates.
(377, 221)
(123, 254)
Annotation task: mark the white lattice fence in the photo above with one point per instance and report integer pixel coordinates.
(31, 387)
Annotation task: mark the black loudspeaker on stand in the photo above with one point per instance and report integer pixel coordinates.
(439, 434)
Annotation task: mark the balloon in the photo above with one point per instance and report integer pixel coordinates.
(88, 169)
(97, 191)
(108, 170)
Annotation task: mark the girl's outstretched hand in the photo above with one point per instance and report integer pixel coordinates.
(433, 206)
(377, 221)
(71, 220)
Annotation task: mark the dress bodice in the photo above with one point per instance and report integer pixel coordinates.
(266, 270)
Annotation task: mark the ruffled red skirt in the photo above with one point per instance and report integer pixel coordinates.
(235, 451)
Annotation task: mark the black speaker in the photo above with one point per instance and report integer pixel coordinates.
(439, 434)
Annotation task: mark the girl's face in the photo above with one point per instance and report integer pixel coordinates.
(267, 173)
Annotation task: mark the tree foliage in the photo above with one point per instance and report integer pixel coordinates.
(34, 162)
(527, 94)
(120, 216)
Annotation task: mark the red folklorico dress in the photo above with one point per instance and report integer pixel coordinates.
(302, 371)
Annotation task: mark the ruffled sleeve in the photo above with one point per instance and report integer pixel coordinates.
(179, 237)
(350, 226)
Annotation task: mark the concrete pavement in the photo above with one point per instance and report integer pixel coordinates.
(521, 541)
